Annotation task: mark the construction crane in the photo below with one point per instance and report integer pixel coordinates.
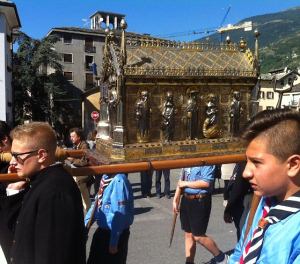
(247, 26)
(225, 16)
(223, 20)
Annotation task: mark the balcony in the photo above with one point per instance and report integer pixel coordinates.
(88, 67)
(90, 49)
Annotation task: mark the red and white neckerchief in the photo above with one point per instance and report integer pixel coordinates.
(270, 216)
(105, 180)
(257, 231)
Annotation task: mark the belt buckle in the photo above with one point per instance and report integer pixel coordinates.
(201, 196)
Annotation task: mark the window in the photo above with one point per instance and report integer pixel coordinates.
(88, 42)
(89, 81)
(68, 58)
(88, 62)
(270, 95)
(67, 39)
(296, 99)
(262, 95)
(68, 76)
(89, 45)
(269, 107)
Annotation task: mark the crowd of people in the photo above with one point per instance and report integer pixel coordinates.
(45, 217)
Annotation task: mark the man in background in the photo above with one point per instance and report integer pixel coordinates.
(239, 201)
(158, 175)
(78, 140)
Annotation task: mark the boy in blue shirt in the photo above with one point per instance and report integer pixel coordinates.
(114, 217)
(196, 186)
(273, 170)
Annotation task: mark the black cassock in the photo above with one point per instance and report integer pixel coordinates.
(49, 227)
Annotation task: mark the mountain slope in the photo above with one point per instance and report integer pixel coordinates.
(279, 40)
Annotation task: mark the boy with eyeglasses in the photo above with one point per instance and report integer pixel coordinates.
(45, 199)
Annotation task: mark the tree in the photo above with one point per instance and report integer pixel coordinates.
(38, 82)
(23, 78)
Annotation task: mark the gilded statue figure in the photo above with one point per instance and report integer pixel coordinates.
(211, 128)
(111, 98)
(192, 116)
(142, 116)
(168, 117)
(112, 102)
(235, 114)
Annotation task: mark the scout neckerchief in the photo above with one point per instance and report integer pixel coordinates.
(270, 216)
(105, 181)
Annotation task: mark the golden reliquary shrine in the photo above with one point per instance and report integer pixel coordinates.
(162, 99)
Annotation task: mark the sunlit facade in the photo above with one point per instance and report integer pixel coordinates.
(9, 21)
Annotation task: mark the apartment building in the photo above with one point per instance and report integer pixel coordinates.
(9, 22)
(267, 97)
(281, 86)
(81, 49)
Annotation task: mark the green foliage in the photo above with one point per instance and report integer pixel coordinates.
(282, 53)
(35, 90)
(46, 55)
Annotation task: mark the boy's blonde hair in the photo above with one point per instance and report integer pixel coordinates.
(39, 135)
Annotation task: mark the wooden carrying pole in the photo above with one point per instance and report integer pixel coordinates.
(143, 165)
(140, 166)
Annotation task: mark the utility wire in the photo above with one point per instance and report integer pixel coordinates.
(186, 33)
(195, 32)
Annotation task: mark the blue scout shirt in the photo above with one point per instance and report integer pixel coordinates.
(203, 173)
(281, 241)
(116, 212)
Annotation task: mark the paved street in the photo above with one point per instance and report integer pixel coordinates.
(150, 232)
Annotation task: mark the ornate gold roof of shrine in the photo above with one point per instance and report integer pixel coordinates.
(146, 56)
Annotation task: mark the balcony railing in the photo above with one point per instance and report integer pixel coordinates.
(88, 67)
(90, 49)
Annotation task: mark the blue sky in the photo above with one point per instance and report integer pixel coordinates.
(156, 17)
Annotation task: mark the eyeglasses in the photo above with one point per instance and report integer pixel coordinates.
(17, 155)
